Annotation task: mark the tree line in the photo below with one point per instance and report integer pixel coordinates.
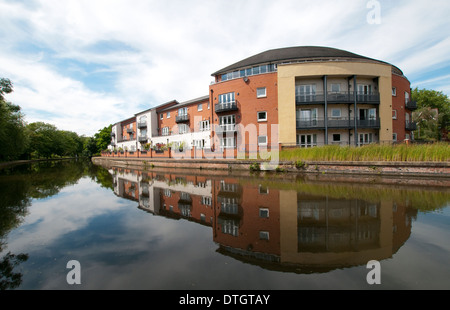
(20, 140)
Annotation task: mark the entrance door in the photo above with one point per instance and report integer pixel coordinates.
(365, 138)
(364, 92)
(307, 140)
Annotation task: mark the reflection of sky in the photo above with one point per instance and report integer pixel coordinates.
(122, 247)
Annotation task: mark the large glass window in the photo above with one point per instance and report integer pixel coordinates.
(305, 93)
(226, 98)
(182, 111)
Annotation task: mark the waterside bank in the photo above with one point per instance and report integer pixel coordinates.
(439, 170)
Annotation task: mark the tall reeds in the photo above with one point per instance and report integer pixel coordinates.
(437, 152)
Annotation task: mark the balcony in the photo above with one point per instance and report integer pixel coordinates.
(411, 126)
(346, 97)
(368, 123)
(310, 124)
(343, 123)
(411, 105)
(182, 118)
(113, 134)
(130, 130)
(221, 129)
(226, 107)
(142, 125)
(142, 138)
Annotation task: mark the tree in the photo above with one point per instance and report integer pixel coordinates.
(103, 138)
(13, 136)
(430, 102)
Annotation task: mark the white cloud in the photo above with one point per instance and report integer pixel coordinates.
(156, 51)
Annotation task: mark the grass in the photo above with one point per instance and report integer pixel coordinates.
(437, 152)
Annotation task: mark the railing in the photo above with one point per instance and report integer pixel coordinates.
(410, 126)
(182, 118)
(142, 124)
(226, 106)
(225, 128)
(411, 105)
(337, 97)
(369, 123)
(142, 138)
(319, 123)
(130, 130)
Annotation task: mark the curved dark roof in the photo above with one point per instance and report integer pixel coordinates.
(293, 54)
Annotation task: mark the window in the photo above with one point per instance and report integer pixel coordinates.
(261, 92)
(337, 137)
(394, 137)
(394, 91)
(165, 131)
(199, 144)
(335, 88)
(204, 125)
(208, 105)
(182, 111)
(394, 114)
(207, 201)
(228, 142)
(183, 128)
(305, 93)
(227, 120)
(336, 113)
(264, 213)
(262, 140)
(168, 115)
(262, 116)
(226, 98)
(167, 192)
(264, 235)
(263, 190)
(200, 107)
(162, 116)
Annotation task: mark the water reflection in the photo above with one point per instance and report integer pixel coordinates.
(19, 185)
(288, 225)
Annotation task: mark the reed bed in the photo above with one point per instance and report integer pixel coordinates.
(436, 152)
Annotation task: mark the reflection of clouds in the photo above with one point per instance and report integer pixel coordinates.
(68, 211)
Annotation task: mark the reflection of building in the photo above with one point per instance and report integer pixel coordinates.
(276, 229)
(336, 225)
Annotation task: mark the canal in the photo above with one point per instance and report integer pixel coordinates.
(159, 229)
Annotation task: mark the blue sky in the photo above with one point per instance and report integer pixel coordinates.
(84, 64)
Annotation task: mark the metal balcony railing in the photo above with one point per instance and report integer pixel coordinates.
(226, 107)
(411, 126)
(337, 97)
(182, 118)
(320, 123)
(142, 125)
(411, 105)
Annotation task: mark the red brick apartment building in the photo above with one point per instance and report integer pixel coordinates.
(297, 96)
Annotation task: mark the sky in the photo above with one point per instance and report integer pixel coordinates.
(82, 65)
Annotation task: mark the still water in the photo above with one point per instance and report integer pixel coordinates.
(218, 230)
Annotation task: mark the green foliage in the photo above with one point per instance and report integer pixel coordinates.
(438, 151)
(432, 115)
(13, 135)
(255, 167)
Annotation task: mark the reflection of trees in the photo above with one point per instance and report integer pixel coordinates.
(20, 184)
(8, 278)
